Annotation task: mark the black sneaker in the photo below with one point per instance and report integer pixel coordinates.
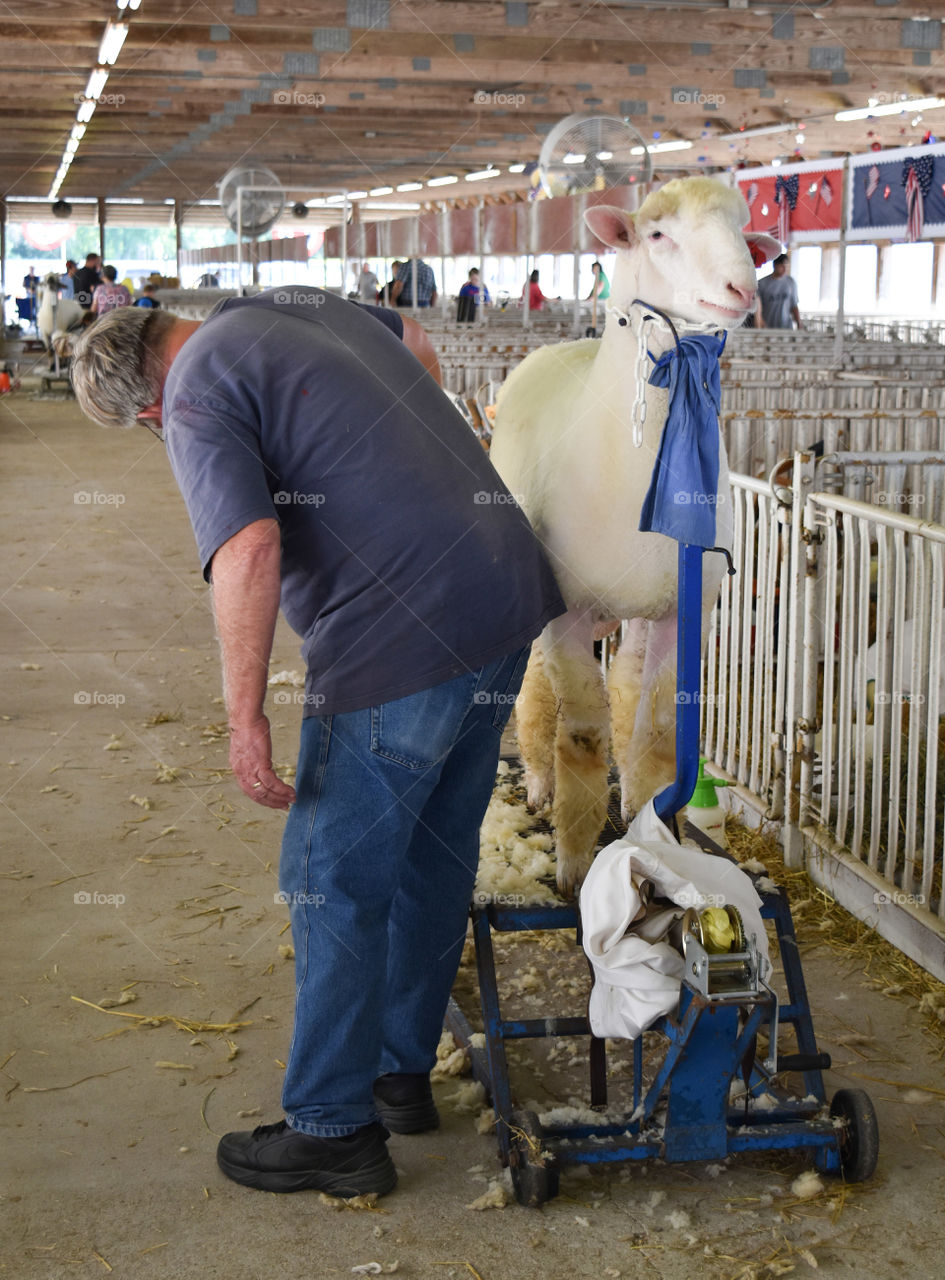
(405, 1103)
(274, 1157)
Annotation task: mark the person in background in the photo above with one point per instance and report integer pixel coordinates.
(387, 293)
(536, 299)
(402, 293)
(470, 295)
(777, 298)
(109, 295)
(86, 281)
(67, 280)
(601, 286)
(31, 283)
(147, 298)
(368, 285)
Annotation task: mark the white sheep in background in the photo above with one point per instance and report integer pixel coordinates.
(563, 445)
(56, 315)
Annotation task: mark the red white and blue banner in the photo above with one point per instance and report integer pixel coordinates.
(898, 195)
(891, 195)
(795, 202)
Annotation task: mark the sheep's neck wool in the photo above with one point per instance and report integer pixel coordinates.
(684, 487)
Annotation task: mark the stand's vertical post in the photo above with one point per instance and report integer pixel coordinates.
(688, 683)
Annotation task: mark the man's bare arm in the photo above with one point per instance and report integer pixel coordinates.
(246, 586)
(416, 340)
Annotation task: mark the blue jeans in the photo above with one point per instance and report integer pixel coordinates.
(378, 865)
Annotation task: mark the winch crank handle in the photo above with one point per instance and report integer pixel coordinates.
(728, 556)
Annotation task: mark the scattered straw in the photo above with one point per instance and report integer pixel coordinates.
(820, 920)
(190, 1025)
(54, 1088)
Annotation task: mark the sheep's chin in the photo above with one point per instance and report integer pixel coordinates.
(727, 317)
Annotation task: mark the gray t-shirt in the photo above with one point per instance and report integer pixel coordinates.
(404, 559)
(778, 295)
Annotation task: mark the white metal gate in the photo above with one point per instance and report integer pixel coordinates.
(823, 689)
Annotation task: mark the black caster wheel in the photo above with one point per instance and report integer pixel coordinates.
(859, 1135)
(534, 1178)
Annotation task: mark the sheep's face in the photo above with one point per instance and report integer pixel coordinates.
(684, 251)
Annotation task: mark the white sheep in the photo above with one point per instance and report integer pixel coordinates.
(564, 446)
(56, 315)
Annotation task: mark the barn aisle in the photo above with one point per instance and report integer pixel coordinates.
(148, 980)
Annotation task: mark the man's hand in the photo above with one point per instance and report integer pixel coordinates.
(251, 762)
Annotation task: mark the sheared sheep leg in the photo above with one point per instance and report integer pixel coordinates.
(625, 684)
(581, 745)
(649, 763)
(536, 714)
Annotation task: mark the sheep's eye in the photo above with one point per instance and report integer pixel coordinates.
(656, 235)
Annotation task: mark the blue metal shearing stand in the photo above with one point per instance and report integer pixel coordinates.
(686, 1111)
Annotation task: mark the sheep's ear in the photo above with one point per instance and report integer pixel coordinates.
(612, 226)
(761, 247)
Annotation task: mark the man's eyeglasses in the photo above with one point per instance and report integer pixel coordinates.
(155, 431)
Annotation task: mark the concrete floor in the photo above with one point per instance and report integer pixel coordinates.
(110, 1124)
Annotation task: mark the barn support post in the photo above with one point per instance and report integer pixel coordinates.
(3, 253)
(481, 309)
(178, 235)
(344, 245)
(842, 278)
(413, 265)
(101, 227)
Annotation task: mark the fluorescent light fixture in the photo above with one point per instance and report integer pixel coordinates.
(516, 168)
(445, 181)
(78, 132)
(86, 111)
(357, 195)
(410, 186)
(482, 173)
(112, 40)
(72, 146)
(679, 145)
(382, 191)
(387, 207)
(605, 155)
(129, 4)
(335, 200)
(573, 158)
(97, 82)
(891, 108)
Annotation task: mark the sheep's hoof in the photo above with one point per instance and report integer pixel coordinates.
(539, 791)
(572, 872)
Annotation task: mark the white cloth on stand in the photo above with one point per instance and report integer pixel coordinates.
(636, 971)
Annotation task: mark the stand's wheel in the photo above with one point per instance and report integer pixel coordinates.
(859, 1135)
(534, 1178)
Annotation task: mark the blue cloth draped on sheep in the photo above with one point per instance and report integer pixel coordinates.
(683, 490)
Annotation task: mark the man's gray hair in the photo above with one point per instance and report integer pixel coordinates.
(117, 369)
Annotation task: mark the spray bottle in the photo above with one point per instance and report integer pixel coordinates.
(704, 810)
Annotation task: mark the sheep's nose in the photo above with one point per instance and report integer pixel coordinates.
(745, 296)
